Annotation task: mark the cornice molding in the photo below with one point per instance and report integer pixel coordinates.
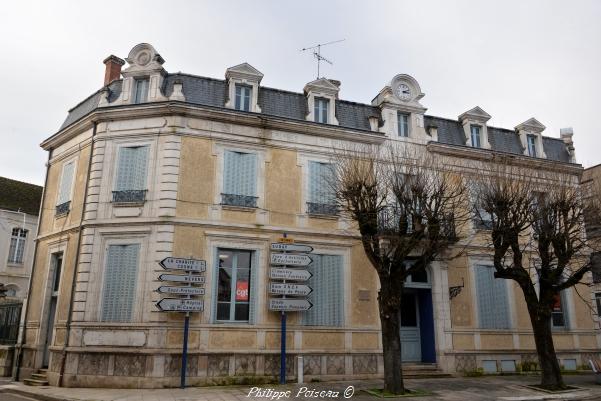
(125, 112)
(466, 152)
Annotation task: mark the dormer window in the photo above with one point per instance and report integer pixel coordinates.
(531, 140)
(141, 90)
(475, 136)
(403, 120)
(243, 97)
(321, 110)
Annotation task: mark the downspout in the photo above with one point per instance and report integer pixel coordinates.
(21, 341)
(74, 280)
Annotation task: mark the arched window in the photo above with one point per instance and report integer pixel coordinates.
(12, 291)
(17, 245)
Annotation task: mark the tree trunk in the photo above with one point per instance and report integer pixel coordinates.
(543, 337)
(389, 304)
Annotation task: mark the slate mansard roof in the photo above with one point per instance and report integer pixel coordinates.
(20, 196)
(275, 102)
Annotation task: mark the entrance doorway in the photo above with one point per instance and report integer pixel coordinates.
(417, 323)
(56, 264)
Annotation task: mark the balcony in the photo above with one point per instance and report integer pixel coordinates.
(63, 208)
(322, 209)
(239, 200)
(130, 196)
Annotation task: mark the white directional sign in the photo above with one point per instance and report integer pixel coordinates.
(289, 305)
(289, 289)
(180, 305)
(180, 278)
(193, 265)
(279, 246)
(289, 274)
(290, 259)
(181, 290)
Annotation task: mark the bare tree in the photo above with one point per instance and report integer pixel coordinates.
(406, 207)
(537, 232)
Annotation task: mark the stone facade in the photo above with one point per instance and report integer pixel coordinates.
(183, 214)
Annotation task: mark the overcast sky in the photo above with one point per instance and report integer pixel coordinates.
(515, 59)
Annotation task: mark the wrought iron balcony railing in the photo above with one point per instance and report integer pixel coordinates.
(324, 209)
(129, 196)
(239, 200)
(63, 208)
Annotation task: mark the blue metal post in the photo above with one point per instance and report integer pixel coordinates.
(283, 351)
(185, 350)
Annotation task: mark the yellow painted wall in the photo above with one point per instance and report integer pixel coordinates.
(196, 179)
(363, 278)
(463, 342)
(283, 187)
(462, 307)
(232, 339)
(323, 340)
(496, 341)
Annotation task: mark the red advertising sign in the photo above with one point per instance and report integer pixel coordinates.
(242, 291)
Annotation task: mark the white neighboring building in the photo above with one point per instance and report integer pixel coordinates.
(19, 210)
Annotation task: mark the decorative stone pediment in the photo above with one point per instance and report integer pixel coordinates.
(247, 75)
(143, 58)
(244, 71)
(531, 125)
(403, 92)
(476, 114)
(323, 86)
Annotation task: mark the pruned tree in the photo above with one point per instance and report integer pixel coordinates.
(405, 206)
(537, 233)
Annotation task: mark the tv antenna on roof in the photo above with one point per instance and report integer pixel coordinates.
(317, 53)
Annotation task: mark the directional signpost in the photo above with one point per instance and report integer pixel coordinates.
(193, 268)
(288, 271)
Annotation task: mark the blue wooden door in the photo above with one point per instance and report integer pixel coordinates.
(411, 350)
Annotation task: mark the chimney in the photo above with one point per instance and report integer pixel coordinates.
(566, 135)
(113, 69)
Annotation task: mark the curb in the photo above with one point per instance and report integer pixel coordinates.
(31, 394)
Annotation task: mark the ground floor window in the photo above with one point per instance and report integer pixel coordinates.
(559, 315)
(493, 305)
(327, 297)
(598, 301)
(235, 284)
(120, 278)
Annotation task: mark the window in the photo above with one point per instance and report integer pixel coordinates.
(531, 139)
(239, 179)
(328, 289)
(57, 263)
(11, 291)
(321, 110)
(63, 201)
(130, 181)
(243, 93)
(120, 278)
(17, 246)
(493, 305)
(476, 142)
(559, 315)
(403, 120)
(141, 90)
(235, 284)
(482, 219)
(321, 199)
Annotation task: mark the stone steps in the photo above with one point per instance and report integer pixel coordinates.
(423, 371)
(37, 379)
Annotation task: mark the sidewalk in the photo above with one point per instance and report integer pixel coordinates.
(501, 388)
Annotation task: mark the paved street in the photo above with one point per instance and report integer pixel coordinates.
(502, 388)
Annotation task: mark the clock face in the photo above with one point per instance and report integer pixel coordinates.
(403, 92)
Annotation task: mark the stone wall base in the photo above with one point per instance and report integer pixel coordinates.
(7, 353)
(522, 361)
(125, 370)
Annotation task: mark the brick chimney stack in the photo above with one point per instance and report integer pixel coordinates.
(113, 69)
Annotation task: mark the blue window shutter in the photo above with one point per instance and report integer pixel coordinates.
(238, 97)
(247, 92)
(248, 174)
(484, 290)
(141, 94)
(564, 308)
(132, 168)
(254, 289)
(501, 311)
(314, 171)
(120, 279)
(320, 181)
(231, 172)
(327, 296)
(66, 181)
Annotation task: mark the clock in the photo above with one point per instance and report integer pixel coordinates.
(403, 91)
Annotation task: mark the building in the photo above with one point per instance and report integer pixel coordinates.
(162, 164)
(19, 209)
(591, 180)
